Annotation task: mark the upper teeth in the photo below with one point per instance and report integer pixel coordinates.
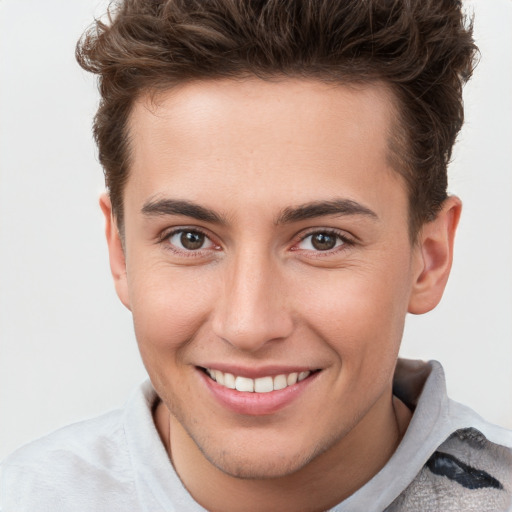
(260, 385)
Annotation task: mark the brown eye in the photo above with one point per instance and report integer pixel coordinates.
(323, 241)
(188, 240)
(192, 240)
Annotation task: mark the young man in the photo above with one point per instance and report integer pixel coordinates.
(276, 204)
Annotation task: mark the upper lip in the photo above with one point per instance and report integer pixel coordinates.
(256, 372)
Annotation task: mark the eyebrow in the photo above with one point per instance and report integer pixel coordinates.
(181, 207)
(337, 207)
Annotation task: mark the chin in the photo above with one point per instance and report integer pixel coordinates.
(257, 467)
(263, 458)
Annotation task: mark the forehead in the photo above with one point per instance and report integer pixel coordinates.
(305, 110)
(251, 136)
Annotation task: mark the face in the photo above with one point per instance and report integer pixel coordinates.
(266, 250)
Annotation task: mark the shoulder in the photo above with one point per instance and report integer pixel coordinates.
(450, 459)
(69, 468)
(466, 472)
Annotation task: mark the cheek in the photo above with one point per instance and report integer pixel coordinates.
(169, 306)
(360, 312)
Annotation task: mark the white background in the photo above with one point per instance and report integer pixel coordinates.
(67, 350)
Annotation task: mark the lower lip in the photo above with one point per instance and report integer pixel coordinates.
(256, 404)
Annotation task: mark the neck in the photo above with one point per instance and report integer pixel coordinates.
(319, 485)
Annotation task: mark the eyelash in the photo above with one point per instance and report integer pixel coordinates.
(346, 242)
(166, 236)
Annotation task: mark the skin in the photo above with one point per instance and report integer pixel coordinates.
(258, 294)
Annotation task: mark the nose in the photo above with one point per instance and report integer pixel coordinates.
(253, 307)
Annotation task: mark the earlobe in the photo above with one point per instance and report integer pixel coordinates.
(115, 250)
(435, 255)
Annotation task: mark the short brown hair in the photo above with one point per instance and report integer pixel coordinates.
(422, 49)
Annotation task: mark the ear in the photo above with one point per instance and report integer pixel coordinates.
(434, 252)
(115, 251)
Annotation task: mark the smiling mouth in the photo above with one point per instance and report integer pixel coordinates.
(259, 385)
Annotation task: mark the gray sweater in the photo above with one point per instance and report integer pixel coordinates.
(450, 459)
